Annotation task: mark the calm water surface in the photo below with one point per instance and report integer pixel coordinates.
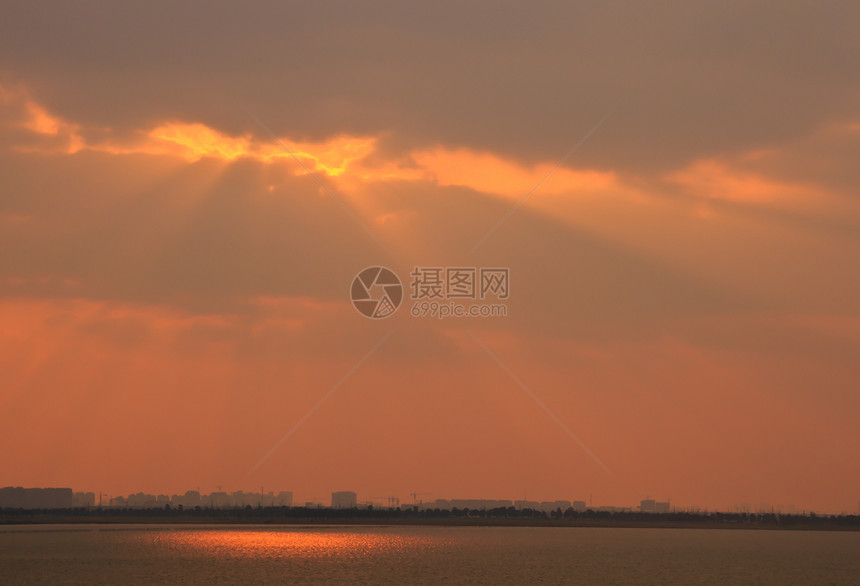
(135, 554)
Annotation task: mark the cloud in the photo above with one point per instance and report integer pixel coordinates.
(204, 219)
(522, 82)
(490, 173)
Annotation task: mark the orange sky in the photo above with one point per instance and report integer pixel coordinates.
(685, 296)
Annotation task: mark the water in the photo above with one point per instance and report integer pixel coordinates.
(136, 554)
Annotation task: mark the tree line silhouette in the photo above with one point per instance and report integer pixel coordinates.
(496, 516)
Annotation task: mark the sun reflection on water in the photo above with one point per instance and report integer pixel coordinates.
(289, 543)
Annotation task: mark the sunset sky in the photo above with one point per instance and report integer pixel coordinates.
(685, 287)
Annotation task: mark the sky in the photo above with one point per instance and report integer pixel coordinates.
(684, 310)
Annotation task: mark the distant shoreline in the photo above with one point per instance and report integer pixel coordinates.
(275, 516)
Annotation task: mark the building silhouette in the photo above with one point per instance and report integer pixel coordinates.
(649, 505)
(344, 499)
(17, 497)
(84, 500)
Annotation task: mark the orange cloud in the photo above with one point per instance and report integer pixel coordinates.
(26, 113)
(40, 121)
(351, 159)
(811, 174)
(716, 179)
(188, 140)
(490, 173)
(194, 141)
(344, 156)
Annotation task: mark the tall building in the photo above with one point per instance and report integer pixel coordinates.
(284, 499)
(648, 506)
(553, 506)
(84, 499)
(16, 497)
(651, 506)
(218, 500)
(141, 501)
(190, 499)
(344, 499)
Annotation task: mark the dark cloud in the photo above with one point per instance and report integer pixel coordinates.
(688, 79)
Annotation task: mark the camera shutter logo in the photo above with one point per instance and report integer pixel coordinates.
(376, 292)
